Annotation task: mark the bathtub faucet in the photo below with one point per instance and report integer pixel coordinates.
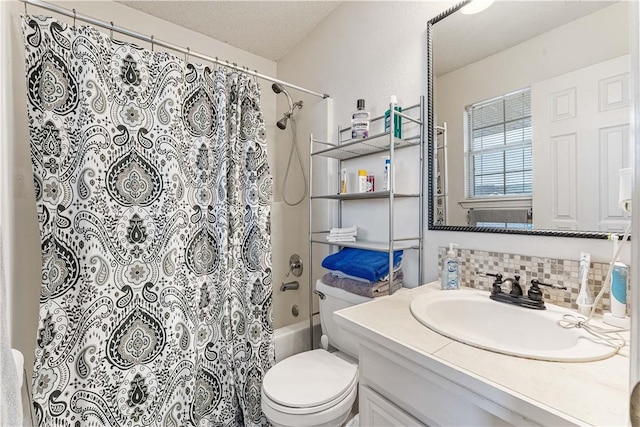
(289, 286)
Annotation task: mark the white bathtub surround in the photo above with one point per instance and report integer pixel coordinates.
(294, 339)
(427, 375)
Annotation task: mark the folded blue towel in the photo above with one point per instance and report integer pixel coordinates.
(370, 265)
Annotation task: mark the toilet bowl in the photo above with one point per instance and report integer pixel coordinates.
(316, 388)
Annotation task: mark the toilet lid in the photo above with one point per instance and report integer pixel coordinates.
(309, 379)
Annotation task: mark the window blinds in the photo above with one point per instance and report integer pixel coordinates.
(499, 146)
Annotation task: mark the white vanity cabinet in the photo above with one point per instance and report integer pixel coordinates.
(396, 392)
(410, 375)
(376, 411)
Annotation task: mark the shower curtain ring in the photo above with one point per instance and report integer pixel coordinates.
(25, 7)
(111, 31)
(151, 42)
(186, 55)
(74, 19)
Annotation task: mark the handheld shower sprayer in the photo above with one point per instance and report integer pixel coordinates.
(277, 88)
(282, 125)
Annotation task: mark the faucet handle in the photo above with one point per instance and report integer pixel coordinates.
(498, 276)
(536, 282)
(534, 291)
(497, 284)
(295, 265)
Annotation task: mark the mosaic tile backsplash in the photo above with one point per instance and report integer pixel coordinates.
(474, 264)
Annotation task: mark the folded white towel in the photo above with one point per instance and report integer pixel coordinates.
(341, 238)
(349, 231)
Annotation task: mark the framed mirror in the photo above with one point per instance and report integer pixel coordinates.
(528, 113)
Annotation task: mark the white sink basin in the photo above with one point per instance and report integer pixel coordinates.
(469, 316)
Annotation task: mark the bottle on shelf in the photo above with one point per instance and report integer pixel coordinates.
(360, 121)
(371, 183)
(362, 181)
(385, 179)
(397, 120)
(343, 181)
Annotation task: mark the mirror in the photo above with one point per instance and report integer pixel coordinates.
(529, 105)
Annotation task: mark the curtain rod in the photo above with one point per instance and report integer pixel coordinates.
(153, 41)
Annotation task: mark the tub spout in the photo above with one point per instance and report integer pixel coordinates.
(289, 286)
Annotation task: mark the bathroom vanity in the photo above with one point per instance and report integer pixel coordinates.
(411, 375)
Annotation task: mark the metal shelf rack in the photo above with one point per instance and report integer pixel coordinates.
(347, 148)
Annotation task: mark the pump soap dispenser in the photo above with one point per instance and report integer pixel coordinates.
(450, 278)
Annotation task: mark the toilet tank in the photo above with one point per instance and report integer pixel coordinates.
(336, 299)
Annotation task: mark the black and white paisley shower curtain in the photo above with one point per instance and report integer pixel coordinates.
(153, 195)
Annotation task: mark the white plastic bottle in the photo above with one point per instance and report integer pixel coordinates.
(362, 181)
(450, 278)
(360, 121)
(385, 181)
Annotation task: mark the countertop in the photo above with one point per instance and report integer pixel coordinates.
(590, 393)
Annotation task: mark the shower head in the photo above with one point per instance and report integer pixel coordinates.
(282, 123)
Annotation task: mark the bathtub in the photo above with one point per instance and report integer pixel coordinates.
(294, 339)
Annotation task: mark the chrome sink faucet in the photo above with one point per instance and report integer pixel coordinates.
(516, 296)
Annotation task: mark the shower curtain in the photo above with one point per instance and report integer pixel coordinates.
(153, 196)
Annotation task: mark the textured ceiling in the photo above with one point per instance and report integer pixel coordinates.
(267, 28)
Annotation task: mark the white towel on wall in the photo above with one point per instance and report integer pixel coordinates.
(11, 381)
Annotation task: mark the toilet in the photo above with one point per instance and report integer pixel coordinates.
(316, 387)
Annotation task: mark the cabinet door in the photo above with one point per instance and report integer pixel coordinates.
(376, 411)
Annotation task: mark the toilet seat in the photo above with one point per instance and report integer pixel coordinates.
(309, 382)
(310, 409)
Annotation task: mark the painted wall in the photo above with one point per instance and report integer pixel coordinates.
(18, 215)
(372, 51)
(564, 49)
